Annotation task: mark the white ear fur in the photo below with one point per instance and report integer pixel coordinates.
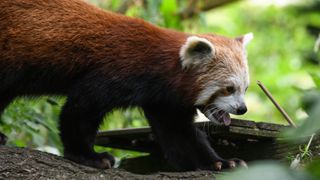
(196, 50)
(245, 39)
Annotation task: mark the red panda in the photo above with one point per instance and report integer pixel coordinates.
(101, 61)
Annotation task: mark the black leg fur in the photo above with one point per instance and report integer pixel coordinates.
(3, 139)
(79, 122)
(183, 145)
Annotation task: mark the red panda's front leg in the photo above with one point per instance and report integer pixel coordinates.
(79, 122)
(183, 145)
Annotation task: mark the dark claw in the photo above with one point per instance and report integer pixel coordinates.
(240, 163)
(229, 164)
(243, 164)
(107, 163)
(232, 164)
(100, 161)
(218, 166)
(107, 159)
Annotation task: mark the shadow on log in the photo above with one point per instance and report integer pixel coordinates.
(24, 163)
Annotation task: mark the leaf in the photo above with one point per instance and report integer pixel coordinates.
(316, 78)
(169, 6)
(310, 126)
(314, 168)
(266, 170)
(19, 143)
(169, 11)
(310, 99)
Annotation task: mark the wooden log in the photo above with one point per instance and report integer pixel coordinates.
(243, 139)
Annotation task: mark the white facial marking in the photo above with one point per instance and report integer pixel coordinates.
(233, 101)
(229, 103)
(206, 93)
(189, 58)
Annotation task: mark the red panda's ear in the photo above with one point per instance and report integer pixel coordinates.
(195, 51)
(245, 39)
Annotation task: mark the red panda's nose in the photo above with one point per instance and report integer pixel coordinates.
(242, 109)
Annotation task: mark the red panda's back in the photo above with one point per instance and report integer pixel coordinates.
(69, 31)
(47, 28)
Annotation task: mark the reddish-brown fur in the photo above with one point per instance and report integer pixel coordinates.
(73, 35)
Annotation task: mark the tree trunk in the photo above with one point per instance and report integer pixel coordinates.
(25, 163)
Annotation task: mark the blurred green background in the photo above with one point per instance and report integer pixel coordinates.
(281, 55)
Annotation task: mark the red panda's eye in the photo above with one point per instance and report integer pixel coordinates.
(230, 89)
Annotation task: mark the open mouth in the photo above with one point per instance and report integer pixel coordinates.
(216, 115)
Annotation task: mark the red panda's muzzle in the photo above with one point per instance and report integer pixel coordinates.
(216, 115)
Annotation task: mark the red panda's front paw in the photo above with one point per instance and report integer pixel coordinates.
(229, 164)
(105, 161)
(96, 160)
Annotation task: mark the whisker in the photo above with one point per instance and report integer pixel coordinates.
(213, 110)
(209, 106)
(208, 131)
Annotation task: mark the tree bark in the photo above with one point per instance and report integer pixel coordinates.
(25, 163)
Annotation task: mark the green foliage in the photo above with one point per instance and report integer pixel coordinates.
(316, 78)
(169, 8)
(311, 105)
(313, 168)
(32, 122)
(311, 125)
(119, 119)
(267, 170)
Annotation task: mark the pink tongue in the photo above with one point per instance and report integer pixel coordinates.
(226, 119)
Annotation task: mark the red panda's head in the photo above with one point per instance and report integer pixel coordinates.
(222, 74)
